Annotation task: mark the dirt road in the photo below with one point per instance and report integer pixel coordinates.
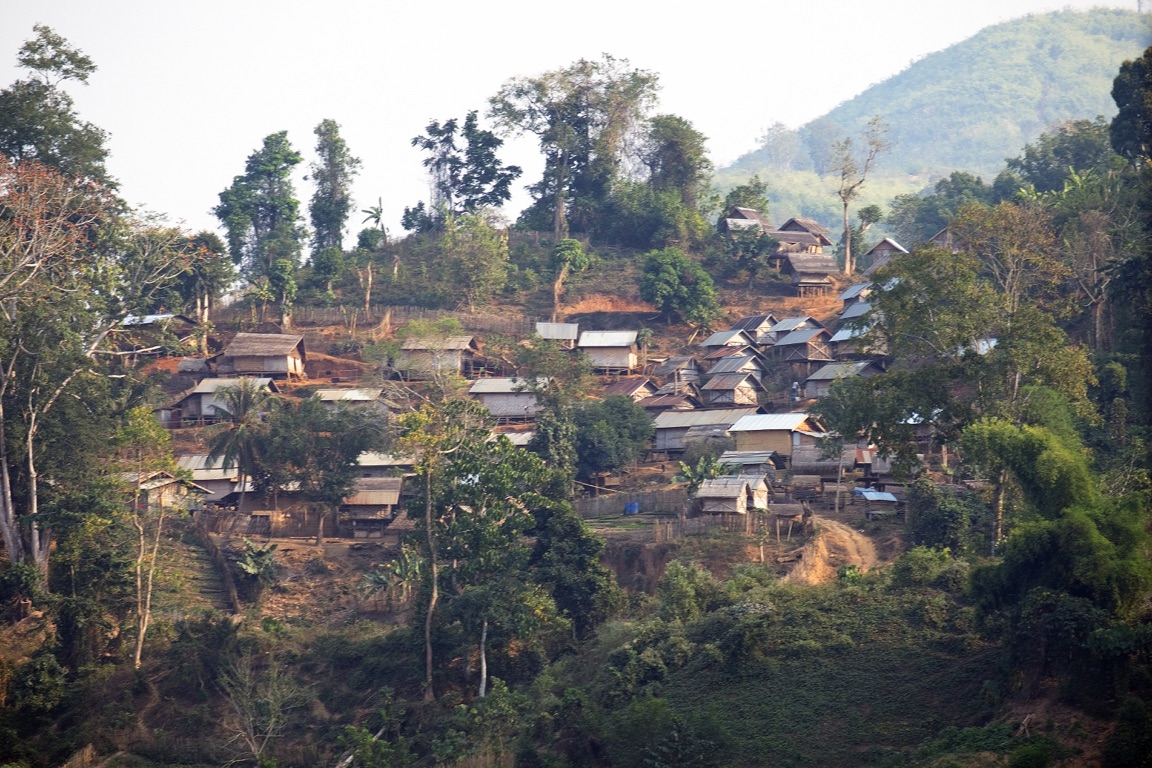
(836, 545)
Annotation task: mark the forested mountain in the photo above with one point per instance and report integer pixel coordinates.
(969, 106)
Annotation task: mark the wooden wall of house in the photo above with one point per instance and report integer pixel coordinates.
(776, 440)
(612, 357)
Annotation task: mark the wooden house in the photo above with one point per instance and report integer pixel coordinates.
(610, 351)
(276, 355)
(758, 463)
(636, 388)
(740, 219)
(758, 327)
(855, 293)
(672, 426)
(427, 358)
(210, 475)
(506, 398)
(155, 335)
(811, 273)
(811, 460)
(786, 326)
(563, 333)
(160, 490)
(742, 364)
(820, 383)
(732, 495)
(810, 226)
(881, 255)
(804, 350)
(372, 505)
(853, 342)
(678, 369)
(732, 389)
(206, 405)
(731, 338)
(779, 432)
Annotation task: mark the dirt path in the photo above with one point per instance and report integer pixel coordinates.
(837, 545)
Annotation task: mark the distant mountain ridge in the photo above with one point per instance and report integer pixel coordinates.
(973, 104)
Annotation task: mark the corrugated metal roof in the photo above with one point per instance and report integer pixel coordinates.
(735, 364)
(790, 324)
(264, 345)
(759, 422)
(729, 486)
(811, 225)
(504, 385)
(673, 364)
(377, 459)
(375, 491)
(859, 309)
(347, 395)
(558, 331)
(834, 371)
(853, 291)
(887, 244)
(729, 381)
(668, 401)
(211, 386)
(746, 457)
(629, 387)
(802, 336)
(849, 333)
(680, 419)
(607, 339)
(754, 323)
(203, 470)
(439, 345)
(727, 339)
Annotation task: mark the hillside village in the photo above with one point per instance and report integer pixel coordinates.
(656, 475)
(748, 386)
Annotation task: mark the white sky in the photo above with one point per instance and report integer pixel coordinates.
(188, 89)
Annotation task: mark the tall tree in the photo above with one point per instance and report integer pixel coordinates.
(677, 285)
(262, 216)
(851, 166)
(585, 115)
(673, 151)
(474, 256)
(37, 117)
(567, 257)
(1075, 146)
(466, 173)
(333, 174)
(236, 443)
(1131, 129)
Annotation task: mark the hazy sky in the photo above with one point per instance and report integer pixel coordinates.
(189, 89)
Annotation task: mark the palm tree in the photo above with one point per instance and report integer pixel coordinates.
(237, 441)
(376, 216)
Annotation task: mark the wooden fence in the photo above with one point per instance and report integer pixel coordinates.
(676, 528)
(655, 502)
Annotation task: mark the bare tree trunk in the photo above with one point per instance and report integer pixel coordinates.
(483, 658)
(144, 591)
(429, 693)
(321, 513)
(998, 511)
(849, 264)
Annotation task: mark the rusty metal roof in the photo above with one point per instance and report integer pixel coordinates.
(681, 419)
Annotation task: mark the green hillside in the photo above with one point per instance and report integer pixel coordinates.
(967, 107)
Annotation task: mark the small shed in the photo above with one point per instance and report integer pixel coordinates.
(210, 475)
(733, 389)
(759, 463)
(279, 355)
(635, 389)
(162, 490)
(804, 349)
(820, 383)
(371, 506)
(564, 333)
(756, 326)
(740, 219)
(811, 226)
(753, 364)
(426, 358)
(810, 272)
(206, 404)
(673, 426)
(506, 398)
(881, 255)
(610, 351)
(684, 370)
(732, 495)
(852, 342)
(779, 432)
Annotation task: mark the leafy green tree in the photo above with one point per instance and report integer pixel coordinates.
(262, 216)
(584, 116)
(474, 256)
(852, 166)
(1131, 129)
(210, 273)
(677, 285)
(316, 450)
(1075, 146)
(705, 468)
(676, 158)
(610, 435)
(467, 176)
(37, 117)
(751, 194)
(332, 174)
(914, 218)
